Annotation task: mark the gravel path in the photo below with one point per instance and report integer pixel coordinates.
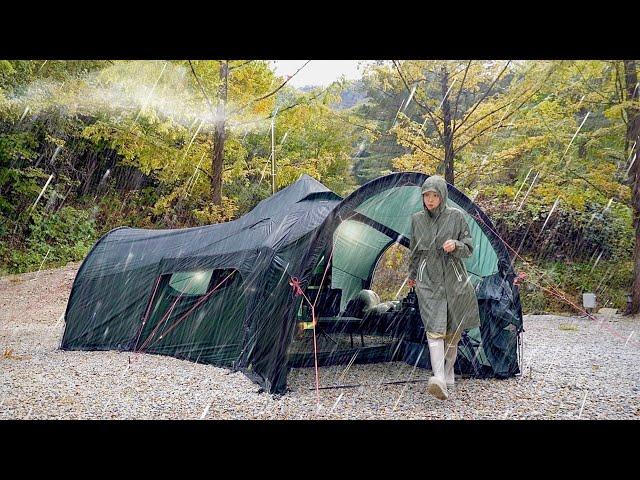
(573, 368)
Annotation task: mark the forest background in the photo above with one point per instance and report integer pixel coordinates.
(547, 148)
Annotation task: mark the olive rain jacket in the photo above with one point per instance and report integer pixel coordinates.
(446, 296)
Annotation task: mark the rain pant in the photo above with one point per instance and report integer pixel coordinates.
(446, 296)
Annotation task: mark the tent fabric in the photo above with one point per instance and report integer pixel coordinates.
(501, 315)
(220, 294)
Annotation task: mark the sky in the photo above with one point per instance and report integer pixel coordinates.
(318, 72)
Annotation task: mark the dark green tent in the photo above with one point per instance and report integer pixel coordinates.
(222, 294)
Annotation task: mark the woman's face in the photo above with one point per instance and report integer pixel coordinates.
(431, 200)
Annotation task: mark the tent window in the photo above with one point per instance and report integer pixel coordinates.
(191, 283)
(198, 282)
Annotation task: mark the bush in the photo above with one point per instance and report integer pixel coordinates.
(114, 209)
(569, 234)
(609, 280)
(52, 240)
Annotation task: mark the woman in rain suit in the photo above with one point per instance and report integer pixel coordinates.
(440, 239)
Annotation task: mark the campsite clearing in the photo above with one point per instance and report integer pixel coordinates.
(588, 371)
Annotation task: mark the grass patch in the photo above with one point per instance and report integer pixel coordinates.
(568, 327)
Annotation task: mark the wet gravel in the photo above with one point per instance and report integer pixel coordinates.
(573, 368)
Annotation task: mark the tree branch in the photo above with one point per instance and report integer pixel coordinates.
(241, 65)
(584, 82)
(424, 151)
(378, 132)
(264, 97)
(486, 94)
(588, 182)
(205, 172)
(201, 87)
(429, 111)
(289, 107)
(389, 95)
(487, 115)
(458, 149)
(455, 109)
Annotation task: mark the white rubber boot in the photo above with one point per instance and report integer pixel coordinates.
(437, 385)
(449, 361)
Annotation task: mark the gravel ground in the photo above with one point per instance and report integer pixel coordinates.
(573, 368)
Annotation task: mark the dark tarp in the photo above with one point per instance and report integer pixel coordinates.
(501, 323)
(128, 272)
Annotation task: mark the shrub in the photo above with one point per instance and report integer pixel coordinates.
(609, 280)
(569, 234)
(52, 240)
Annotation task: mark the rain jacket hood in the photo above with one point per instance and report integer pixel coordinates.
(436, 183)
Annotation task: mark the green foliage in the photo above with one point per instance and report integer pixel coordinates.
(77, 119)
(16, 184)
(52, 240)
(391, 272)
(609, 280)
(114, 210)
(599, 230)
(217, 213)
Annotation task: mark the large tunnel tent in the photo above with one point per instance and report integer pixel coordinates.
(225, 294)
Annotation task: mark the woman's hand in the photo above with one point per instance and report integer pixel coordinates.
(449, 246)
(411, 283)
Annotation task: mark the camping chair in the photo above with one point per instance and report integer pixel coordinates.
(330, 320)
(353, 319)
(328, 307)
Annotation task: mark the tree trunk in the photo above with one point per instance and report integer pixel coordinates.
(633, 139)
(219, 136)
(448, 130)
